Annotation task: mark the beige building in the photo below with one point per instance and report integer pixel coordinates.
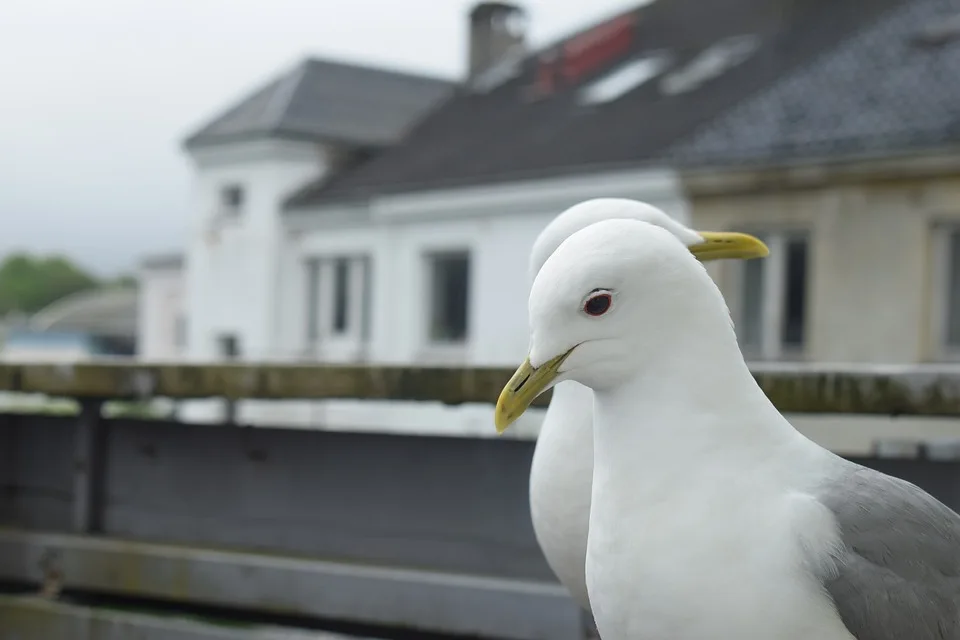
(864, 257)
(849, 166)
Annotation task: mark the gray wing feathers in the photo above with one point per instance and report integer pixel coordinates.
(899, 570)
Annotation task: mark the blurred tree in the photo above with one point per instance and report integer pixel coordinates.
(124, 280)
(29, 283)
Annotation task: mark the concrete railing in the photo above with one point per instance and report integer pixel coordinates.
(888, 390)
(312, 528)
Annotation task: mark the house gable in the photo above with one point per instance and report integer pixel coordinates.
(320, 100)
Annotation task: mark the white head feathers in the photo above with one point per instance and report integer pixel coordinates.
(586, 213)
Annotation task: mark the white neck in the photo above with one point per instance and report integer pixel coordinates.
(695, 412)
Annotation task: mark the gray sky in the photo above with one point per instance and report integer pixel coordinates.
(97, 94)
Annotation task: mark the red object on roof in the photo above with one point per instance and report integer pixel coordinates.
(588, 51)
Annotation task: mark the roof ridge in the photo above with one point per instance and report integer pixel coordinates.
(377, 68)
(282, 95)
(266, 85)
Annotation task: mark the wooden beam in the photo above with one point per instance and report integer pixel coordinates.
(920, 390)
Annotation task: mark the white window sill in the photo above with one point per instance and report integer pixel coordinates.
(792, 355)
(338, 351)
(946, 353)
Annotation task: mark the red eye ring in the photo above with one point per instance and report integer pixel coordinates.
(598, 304)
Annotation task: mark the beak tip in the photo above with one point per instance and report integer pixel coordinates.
(501, 420)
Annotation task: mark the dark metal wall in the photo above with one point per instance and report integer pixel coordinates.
(449, 504)
(418, 532)
(38, 455)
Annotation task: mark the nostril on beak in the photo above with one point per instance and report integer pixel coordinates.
(521, 383)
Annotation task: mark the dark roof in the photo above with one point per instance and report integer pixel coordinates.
(882, 91)
(162, 261)
(323, 100)
(508, 133)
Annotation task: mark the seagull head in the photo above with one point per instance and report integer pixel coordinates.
(705, 245)
(605, 303)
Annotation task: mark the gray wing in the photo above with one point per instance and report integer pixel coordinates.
(899, 574)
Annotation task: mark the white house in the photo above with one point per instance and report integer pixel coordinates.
(432, 278)
(437, 277)
(347, 214)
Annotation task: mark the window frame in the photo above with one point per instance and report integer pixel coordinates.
(321, 311)
(773, 302)
(939, 294)
(231, 209)
(229, 348)
(431, 257)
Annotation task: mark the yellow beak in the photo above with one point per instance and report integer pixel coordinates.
(718, 245)
(523, 388)
(528, 383)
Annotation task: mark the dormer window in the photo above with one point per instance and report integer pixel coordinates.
(939, 32)
(231, 199)
(625, 78)
(710, 64)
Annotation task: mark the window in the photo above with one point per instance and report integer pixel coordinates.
(340, 285)
(772, 318)
(337, 298)
(625, 79)
(229, 346)
(231, 199)
(938, 32)
(950, 253)
(449, 282)
(710, 64)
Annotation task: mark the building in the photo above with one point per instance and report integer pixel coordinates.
(86, 325)
(747, 86)
(407, 248)
(317, 117)
(850, 166)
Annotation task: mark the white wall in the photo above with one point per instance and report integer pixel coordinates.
(161, 304)
(232, 273)
(232, 269)
(496, 225)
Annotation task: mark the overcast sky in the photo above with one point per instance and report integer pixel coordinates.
(96, 96)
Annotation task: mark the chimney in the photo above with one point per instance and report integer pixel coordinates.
(497, 32)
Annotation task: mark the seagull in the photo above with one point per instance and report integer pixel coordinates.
(711, 517)
(562, 468)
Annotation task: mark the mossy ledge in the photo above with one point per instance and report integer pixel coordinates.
(922, 390)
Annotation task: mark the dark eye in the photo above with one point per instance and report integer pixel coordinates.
(597, 304)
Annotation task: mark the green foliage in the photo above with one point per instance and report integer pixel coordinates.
(29, 283)
(124, 280)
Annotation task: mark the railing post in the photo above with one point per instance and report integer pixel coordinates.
(89, 467)
(230, 412)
